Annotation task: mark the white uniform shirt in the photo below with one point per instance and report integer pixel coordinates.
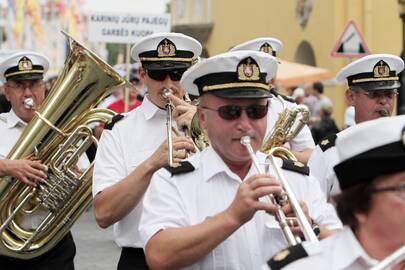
(303, 140)
(337, 252)
(130, 142)
(321, 166)
(190, 198)
(11, 127)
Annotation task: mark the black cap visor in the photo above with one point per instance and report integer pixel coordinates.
(26, 77)
(242, 93)
(379, 85)
(165, 65)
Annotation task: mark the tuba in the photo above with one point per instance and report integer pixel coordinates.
(289, 123)
(57, 135)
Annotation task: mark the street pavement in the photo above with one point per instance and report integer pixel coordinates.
(95, 247)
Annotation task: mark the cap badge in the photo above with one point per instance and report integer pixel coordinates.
(381, 69)
(281, 255)
(266, 47)
(24, 64)
(166, 48)
(248, 70)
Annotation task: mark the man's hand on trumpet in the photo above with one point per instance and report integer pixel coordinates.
(181, 146)
(183, 111)
(246, 201)
(292, 220)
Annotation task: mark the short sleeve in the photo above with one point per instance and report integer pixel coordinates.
(109, 167)
(162, 206)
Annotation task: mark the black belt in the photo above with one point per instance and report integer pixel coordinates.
(132, 258)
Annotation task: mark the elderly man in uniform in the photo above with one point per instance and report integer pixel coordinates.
(207, 214)
(22, 74)
(134, 145)
(373, 82)
(302, 144)
(371, 173)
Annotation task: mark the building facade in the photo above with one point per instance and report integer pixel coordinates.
(309, 29)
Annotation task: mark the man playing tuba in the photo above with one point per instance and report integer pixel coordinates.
(22, 74)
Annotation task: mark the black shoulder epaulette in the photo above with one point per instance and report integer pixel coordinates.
(275, 93)
(327, 142)
(287, 256)
(290, 99)
(114, 120)
(295, 166)
(184, 167)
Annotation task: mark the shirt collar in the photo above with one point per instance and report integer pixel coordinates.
(13, 120)
(351, 251)
(212, 164)
(150, 109)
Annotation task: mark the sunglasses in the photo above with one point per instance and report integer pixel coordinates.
(390, 94)
(160, 75)
(232, 112)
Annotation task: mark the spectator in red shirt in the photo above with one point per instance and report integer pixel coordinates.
(133, 102)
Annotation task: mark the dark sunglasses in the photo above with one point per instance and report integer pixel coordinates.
(232, 112)
(160, 75)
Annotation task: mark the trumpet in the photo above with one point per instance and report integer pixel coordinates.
(169, 127)
(286, 197)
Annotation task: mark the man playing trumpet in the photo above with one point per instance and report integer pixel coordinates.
(208, 215)
(133, 146)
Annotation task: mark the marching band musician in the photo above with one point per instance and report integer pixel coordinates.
(22, 74)
(206, 214)
(372, 87)
(133, 146)
(302, 144)
(371, 203)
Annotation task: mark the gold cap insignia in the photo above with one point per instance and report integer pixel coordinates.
(381, 69)
(298, 164)
(403, 137)
(266, 47)
(281, 255)
(166, 48)
(24, 64)
(248, 70)
(324, 142)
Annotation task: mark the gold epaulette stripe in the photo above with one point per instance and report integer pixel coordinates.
(375, 79)
(179, 59)
(24, 72)
(234, 85)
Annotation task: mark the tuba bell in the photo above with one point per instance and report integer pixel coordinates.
(57, 135)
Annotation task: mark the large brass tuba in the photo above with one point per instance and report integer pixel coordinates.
(57, 135)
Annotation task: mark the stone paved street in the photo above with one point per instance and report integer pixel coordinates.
(96, 249)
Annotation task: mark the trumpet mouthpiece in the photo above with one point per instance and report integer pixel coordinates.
(245, 140)
(167, 93)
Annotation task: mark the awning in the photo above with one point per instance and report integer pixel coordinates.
(294, 74)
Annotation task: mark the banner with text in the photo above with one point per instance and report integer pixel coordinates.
(125, 28)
